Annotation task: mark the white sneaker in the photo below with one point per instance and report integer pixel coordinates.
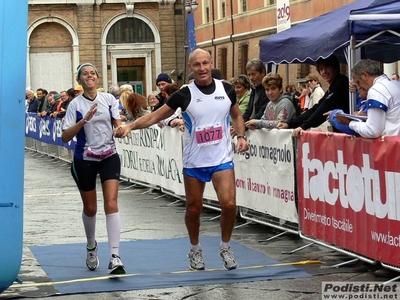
(228, 258)
(92, 260)
(116, 267)
(196, 260)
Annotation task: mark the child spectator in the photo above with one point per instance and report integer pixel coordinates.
(279, 109)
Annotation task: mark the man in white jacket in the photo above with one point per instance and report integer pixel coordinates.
(383, 101)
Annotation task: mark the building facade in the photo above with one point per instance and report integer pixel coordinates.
(231, 31)
(132, 41)
(129, 41)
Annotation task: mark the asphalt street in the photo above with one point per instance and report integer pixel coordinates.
(52, 215)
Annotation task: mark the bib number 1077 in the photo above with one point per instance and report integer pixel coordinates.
(209, 136)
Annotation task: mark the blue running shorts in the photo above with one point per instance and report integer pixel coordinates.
(205, 174)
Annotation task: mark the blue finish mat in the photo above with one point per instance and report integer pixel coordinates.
(155, 264)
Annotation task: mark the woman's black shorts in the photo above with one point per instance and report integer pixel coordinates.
(85, 172)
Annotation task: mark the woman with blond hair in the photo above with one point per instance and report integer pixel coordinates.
(125, 88)
(152, 100)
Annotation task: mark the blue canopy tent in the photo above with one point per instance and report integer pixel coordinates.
(330, 33)
(315, 38)
(376, 31)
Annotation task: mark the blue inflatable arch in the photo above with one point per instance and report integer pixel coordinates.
(12, 136)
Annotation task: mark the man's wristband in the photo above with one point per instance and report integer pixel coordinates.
(242, 137)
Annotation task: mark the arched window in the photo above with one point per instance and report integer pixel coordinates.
(130, 30)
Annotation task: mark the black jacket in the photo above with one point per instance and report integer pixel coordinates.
(337, 96)
(259, 100)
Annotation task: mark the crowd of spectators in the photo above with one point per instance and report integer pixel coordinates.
(262, 99)
(51, 104)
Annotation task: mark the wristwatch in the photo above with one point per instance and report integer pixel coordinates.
(242, 137)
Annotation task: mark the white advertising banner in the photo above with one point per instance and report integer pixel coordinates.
(282, 15)
(265, 174)
(153, 155)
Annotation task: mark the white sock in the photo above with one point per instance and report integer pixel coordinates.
(113, 222)
(224, 245)
(195, 247)
(89, 223)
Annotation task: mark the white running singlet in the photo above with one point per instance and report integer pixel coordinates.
(95, 141)
(207, 138)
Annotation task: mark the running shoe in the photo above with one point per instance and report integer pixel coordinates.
(116, 267)
(228, 258)
(196, 260)
(92, 260)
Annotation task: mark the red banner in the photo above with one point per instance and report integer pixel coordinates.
(349, 193)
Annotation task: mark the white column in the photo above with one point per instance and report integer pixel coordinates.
(104, 67)
(28, 69)
(389, 69)
(75, 63)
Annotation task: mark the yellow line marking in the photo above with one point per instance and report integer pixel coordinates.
(16, 285)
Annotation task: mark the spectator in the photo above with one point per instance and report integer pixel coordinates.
(63, 97)
(304, 97)
(42, 97)
(258, 99)
(294, 90)
(124, 113)
(124, 88)
(395, 76)
(316, 90)
(114, 90)
(135, 105)
(279, 108)
(152, 100)
(360, 101)
(288, 90)
(242, 90)
(51, 106)
(78, 90)
(170, 88)
(32, 103)
(64, 105)
(337, 96)
(161, 81)
(294, 95)
(175, 119)
(383, 101)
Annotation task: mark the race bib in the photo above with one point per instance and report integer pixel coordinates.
(101, 154)
(209, 135)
